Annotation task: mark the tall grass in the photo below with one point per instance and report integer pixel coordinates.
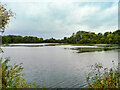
(12, 76)
(100, 77)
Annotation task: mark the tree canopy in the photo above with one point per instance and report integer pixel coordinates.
(5, 15)
(80, 37)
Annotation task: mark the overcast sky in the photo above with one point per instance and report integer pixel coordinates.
(59, 19)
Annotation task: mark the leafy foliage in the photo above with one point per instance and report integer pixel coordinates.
(12, 76)
(5, 16)
(101, 77)
(81, 37)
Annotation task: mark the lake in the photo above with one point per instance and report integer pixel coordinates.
(59, 66)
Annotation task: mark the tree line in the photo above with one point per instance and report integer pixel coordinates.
(80, 37)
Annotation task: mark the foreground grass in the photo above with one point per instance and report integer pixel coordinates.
(101, 77)
(12, 76)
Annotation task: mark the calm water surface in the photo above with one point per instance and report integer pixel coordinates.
(56, 66)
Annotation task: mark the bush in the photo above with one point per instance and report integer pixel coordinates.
(12, 76)
(101, 77)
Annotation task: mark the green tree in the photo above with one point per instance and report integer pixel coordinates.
(116, 39)
(106, 33)
(5, 15)
(110, 38)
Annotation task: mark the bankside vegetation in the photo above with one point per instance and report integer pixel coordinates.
(98, 77)
(12, 76)
(101, 77)
(81, 37)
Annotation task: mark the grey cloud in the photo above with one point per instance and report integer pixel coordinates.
(62, 19)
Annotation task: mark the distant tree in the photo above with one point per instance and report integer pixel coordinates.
(81, 37)
(40, 40)
(116, 39)
(106, 33)
(99, 34)
(117, 32)
(103, 40)
(72, 39)
(65, 38)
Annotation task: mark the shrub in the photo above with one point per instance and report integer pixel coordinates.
(12, 76)
(101, 77)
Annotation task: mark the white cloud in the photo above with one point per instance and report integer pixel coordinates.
(62, 19)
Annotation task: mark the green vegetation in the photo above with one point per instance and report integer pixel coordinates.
(99, 48)
(12, 76)
(81, 37)
(101, 77)
(5, 16)
(82, 50)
